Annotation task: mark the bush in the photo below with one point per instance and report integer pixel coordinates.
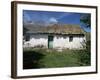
(85, 57)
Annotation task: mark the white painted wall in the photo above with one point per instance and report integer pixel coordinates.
(63, 42)
(36, 40)
(58, 41)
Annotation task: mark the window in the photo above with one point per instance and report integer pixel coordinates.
(27, 38)
(70, 38)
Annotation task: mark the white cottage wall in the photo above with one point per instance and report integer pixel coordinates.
(37, 40)
(62, 42)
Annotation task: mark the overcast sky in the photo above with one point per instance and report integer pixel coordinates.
(47, 17)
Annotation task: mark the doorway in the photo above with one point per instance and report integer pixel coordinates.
(50, 41)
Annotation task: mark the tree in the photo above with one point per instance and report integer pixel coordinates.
(86, 19)
(86, 56)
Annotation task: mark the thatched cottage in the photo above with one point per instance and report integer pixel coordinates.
(63, 36)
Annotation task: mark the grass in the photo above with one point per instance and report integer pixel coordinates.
(44, 58)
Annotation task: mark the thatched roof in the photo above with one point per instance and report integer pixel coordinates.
(56, 28)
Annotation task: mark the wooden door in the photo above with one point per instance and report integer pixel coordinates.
(50, 41)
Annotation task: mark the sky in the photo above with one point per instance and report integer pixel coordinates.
(48, 17)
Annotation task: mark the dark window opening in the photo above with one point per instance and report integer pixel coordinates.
(70, 38)
(27, 38)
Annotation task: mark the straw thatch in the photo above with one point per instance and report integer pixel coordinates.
(56, 29)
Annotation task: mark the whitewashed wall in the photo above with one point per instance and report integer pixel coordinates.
(58, 42)
(36, 40)
(63, 42)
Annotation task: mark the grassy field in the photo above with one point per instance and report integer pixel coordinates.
(44, 58)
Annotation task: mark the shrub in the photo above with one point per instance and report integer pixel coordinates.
(85, 55)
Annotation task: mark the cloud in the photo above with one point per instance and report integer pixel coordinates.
(53, 20)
